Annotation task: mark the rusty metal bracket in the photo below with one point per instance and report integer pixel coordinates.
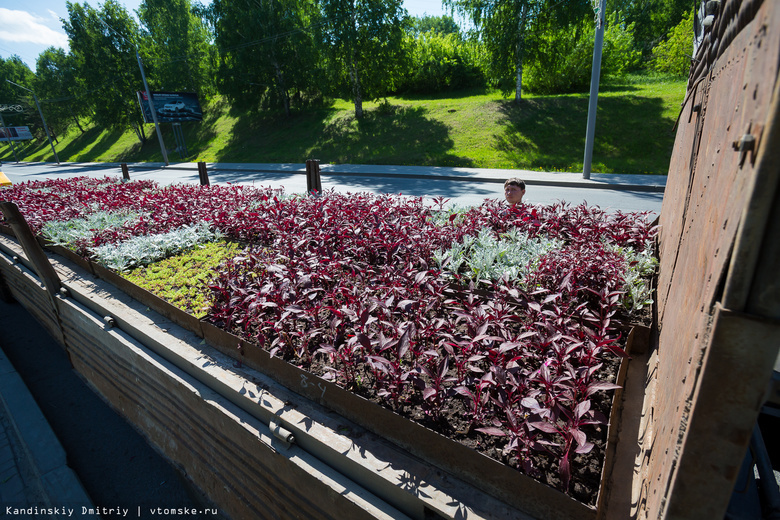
(745, 144)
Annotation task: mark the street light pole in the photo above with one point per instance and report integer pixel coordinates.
(151, 109)
(594, 90)
(46, 128)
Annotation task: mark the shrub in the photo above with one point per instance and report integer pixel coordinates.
(673, 56)
(441, 62)
(564, 56)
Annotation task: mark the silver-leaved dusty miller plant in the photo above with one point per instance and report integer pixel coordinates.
(143, 250)
(488, 257)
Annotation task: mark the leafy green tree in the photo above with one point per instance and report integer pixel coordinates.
(364, 44)
(564, 55)
(503, 27)
(508, 29)
(438, 24)
(267, 50)
(103, 43)
(441, 62)
(14, 69)
(56, 87)
(673, 56)
(177, 47)
(652, 19)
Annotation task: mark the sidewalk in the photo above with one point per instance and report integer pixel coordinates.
(35, 480)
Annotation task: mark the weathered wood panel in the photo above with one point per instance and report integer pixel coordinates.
(25, 287)
(228, 453)
(707, 383)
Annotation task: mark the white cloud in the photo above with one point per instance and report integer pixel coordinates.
(24, 27)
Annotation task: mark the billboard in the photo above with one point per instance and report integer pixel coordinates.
(171, 107)
(15, 133)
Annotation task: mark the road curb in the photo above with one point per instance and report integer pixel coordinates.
(326, 171)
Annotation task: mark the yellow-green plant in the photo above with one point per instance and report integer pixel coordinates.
(183, 280)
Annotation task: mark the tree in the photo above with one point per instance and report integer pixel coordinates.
(673, 56)
(364, 42)
(503, 27)
(652, 19)
(508, 29)
(267, 50)
(104, 44)
(438, 24)
(176, 47)
(56, 87)
(441, 61)
(564, 54)
(14, 69)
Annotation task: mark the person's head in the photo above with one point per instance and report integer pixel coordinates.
(514, 189)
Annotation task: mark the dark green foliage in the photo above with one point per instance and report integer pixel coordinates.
(56, 83)
(102, 43)
(673, 56)
(653, 18)
(176, 48)
(267, 51)
(440, 62)
(14, 69)
(564, 55)
(438, 24)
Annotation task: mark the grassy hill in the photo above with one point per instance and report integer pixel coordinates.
(634, 133)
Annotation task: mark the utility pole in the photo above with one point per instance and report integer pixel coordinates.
(594, 89)
(46, 128)
(151, 109)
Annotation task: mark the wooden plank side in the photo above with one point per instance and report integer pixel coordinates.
(29, 292)
(225, 451)
(725, 407)
(699, 229)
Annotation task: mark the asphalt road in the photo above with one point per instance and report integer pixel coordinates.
(462, 187)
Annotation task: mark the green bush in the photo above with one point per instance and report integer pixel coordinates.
(564, 56)
(673, 56)
(441, 62)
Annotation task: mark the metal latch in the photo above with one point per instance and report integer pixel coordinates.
(745, 144)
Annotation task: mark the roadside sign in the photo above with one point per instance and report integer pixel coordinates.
(15, 133)
(171, 107)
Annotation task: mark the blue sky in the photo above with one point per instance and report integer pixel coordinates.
(30, 27)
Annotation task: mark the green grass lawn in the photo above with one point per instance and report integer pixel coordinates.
(634, 133)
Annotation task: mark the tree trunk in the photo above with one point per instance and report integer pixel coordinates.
(75, 119)
(139, 132)
(353, 70)
(520, 52)
(282, 89)
(353, 74)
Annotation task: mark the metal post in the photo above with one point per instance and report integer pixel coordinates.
(151, 109)
(313, 180)
(46, 128)
(594, 90)
(203, 174)
(8, 134)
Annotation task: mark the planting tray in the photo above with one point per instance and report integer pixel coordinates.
(260, 436)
